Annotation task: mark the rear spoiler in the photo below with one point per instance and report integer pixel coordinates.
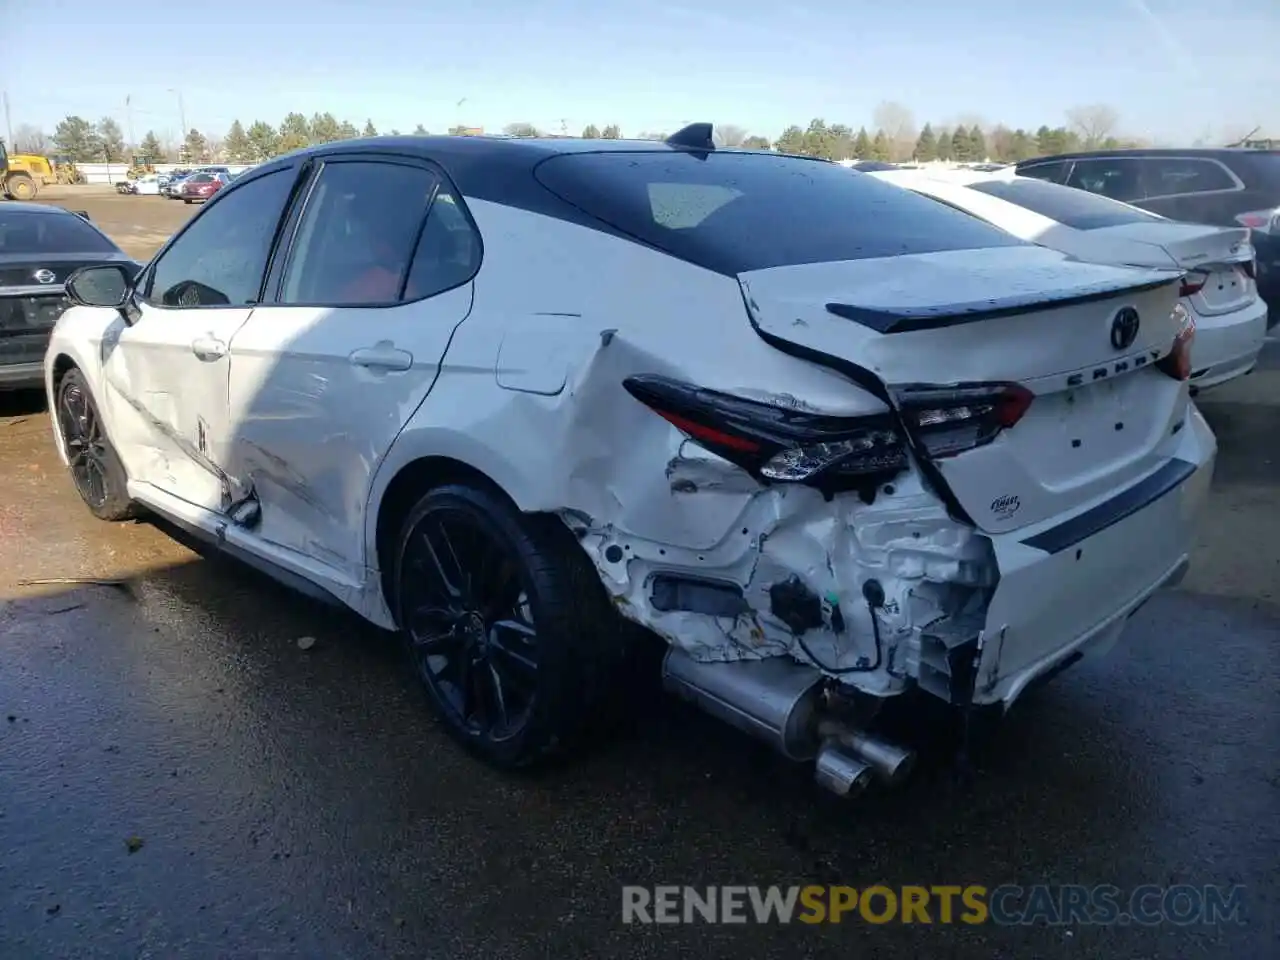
(907, 319)
(82, 214)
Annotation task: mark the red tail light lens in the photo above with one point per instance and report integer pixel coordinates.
(1264, 221)
(1177, 362)
(1193, 282)
(952, 419)
(777, 444)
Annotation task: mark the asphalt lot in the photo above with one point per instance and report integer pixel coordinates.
(179, 779)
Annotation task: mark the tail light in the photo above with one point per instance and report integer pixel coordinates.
(1264, 221)
(834, 453)
(1193, 282)
(775, 443)
(949, 420)
(1177, 362)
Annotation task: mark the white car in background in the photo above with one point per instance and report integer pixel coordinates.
(148, 186)
(1220, 289)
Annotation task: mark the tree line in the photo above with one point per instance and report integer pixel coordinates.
(893, 136)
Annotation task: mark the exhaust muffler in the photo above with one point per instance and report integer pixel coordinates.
(779, 701)
(774, 700)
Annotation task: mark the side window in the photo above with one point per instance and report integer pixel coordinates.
(357, 236)
(1054, 171)
(1119, 179)
(448, 252)
(219, 260)
(1171, 176)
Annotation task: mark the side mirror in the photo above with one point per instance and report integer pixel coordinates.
(102, 286)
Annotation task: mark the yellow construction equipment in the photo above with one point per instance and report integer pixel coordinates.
(23, 174)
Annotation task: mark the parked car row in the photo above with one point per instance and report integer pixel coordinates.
(204, 182)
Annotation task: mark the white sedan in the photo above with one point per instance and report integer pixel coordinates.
(827, 440)
(148, 186)
(1220, 289)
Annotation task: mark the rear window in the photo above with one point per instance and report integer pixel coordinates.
(22, 232)
(1067, 205)
(734, 212)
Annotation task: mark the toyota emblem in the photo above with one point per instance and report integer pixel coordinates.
(1124, 328)
(45, 276)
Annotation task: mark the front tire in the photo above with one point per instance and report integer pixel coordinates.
(96, 470)
(22, 187)
(507, 626)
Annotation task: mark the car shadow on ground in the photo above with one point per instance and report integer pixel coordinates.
(22, 403)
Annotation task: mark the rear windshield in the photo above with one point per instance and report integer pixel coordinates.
(23, 232)
(736, 212)
(1067, 205)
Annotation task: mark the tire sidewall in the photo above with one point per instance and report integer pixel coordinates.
(555, 670)
(117, 505)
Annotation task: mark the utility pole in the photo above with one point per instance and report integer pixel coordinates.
(8, 123)
(182, 113)
(128, 119)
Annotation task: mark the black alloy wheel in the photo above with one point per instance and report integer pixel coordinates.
(96, 470)
(471, 626)
(506, 625)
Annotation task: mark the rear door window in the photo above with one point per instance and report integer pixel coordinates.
(1174, 176)
(737, 212)
(1073, 208)
(1119, 178)
(362, 239)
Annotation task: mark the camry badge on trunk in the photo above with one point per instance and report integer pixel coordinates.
(1124, 328)
(44, 276)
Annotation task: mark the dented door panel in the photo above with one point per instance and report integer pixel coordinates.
(317, 396)
(168, 396)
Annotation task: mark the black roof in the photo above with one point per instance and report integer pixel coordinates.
(18, 206)
(1211, 152)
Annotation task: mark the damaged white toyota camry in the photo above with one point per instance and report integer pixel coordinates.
(831, 441)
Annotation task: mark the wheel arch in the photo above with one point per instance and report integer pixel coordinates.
(405, 486)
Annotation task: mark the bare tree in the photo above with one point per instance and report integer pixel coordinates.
(1094, 122)
(730, 135)
(899, 127)
(520, 130)
(29, 139)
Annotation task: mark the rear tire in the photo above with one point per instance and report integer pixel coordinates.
(96, 470)
(507, 627)
(22, 187)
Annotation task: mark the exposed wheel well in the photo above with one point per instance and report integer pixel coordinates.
(413, 480)
(61, 366)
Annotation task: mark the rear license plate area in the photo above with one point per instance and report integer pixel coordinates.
(20, 315)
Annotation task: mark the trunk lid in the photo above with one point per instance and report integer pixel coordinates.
(1103, 415)
(1217, 260)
